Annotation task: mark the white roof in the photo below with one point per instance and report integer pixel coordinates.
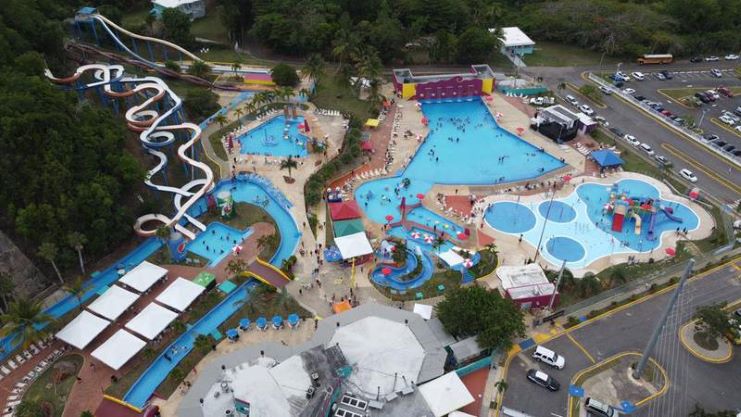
(168, 4)
(143, 276)
(117, 350)
(446, 394)
(424, 310)
(460, 414)
(180, 294)
(353, 245)
(514, 36)
(82, 330)
(151, 321)
(524, 281)
(113, 302)
(451, 257)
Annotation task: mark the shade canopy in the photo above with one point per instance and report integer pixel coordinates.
(446, 394)
(119, 349)
(424, 310)
(606, 158)
(353, 245)
(180, 294)
(347, 227)
(151, 321)
(451, 258)
(82, 330)
(372, 122)
(341, 306)
(143, 276)
(344, 210)
(366, 146)
(113, 302)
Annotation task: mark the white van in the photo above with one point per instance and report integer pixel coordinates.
(549, 357)
(638, 76)
(645, 147)
(599, 409)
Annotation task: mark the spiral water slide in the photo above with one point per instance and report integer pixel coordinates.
(154, 134)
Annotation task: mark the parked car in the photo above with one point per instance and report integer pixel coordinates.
(731, 57)
(586, 110)
(695, 59)
(629, 91)
(638, 75)
(709, 138)
(660, 76)
(725, 91)
(617, 132)
(738, 111)
(605, 90)
(737, 152)
(543, 379)
(679, 121)
(719, 143)
(601, 120)
(727, 120)
(688, 175)
(738, 128)
(711, 58)
(713, 95)
(716, 73)
(549, 357)
(702, 97)
(667, 74)
(645, 147)
(622, 76)
(661, 159)
(571, 100)
(640, 98)
(632, 140)
(666, 113)
(729, 148)
(599, 409)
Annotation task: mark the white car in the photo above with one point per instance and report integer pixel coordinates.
(586, 110)
(549, 357)
(605, 90)
(688, 175)
(571, 100)
(638, 75)
(632, 140)
(727, 120)
(738, 128)
(716, 73)
(622, 75)
(645, 147)
(712, 58)
(731, 57)
(629, 91)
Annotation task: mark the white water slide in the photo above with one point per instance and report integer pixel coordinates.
(144, 118)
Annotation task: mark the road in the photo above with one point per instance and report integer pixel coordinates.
(717, 175)
(691, 380)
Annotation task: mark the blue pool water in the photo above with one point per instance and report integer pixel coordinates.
(271, 138)
(144, 387)
(588, 235)
(94, 283)
(472, 160)
(393, 280)
(217, 241)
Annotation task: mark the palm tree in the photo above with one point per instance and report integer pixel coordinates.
(249, 107)
(236, 65)
(221, 120)
(236, 266)
(283, 93)
(49, 252)
(76, 240)
(501, 386)
(288, 163)
(314, 68)
(239, 112)
(344, 45)
(21, 322)
(369, 66)
(163, 233)
(6, 288)
(78, 287)
(199, 69)
(438, 243)
(202, 343)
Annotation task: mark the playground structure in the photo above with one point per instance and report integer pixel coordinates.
(623, 205)
(157, 130)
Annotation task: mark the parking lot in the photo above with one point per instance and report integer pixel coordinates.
(629, 330)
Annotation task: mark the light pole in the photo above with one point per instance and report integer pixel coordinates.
(545, 222)
(619, 64)
(555, 290)
(702, 117)
(662, 321)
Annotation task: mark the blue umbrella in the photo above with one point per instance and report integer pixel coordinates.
(244, 323)
(277, 321)
(261, 322)
(232, 333)
(293, 319)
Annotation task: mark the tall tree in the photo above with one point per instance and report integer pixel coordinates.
(314, 68)
(289, 164)
(49, 251)
(163, 233)
(221, 120)
(77, 287)
(176, 27)
(238, 112)
(77, 241)
(7, 288)
(712, 320)
(199, 69)
(21, 322)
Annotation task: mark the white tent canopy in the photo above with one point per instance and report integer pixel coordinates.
(451, 258)
(113, 302)
(82, 330)
(353, 245)
(180, 294)
(446, 394)
(424, 310)
(151, 321)
(117, 350)
(143, 276)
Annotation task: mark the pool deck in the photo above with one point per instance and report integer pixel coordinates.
(514, 252)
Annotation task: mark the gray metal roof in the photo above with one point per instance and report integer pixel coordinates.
(466, 349)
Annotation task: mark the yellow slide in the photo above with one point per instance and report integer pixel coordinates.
(638, 223)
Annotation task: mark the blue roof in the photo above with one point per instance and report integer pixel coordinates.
(86, 10)
(606, 158)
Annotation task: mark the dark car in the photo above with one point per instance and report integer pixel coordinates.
(719, 143)
(639, 98)
(543, 379)
(661, 159)
(703, 97)
(737, 152)
(667, 74)
(695, 59)
(729, 148)
(617, 132)
(711, 138)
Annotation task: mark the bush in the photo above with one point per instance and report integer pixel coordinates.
(284, 75)
(200, 104)
(173, 66)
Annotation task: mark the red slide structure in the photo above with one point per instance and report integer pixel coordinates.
(618, 218)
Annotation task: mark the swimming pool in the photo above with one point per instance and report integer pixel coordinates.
(393, 279)
(580, 228)
(217, 241)
(276, 137)
(465, 146)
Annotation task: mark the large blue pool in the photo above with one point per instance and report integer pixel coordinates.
(217, 241)
(465, 146)
(276, 137)
(580, 226)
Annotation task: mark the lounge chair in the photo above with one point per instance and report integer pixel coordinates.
(20, 359)
(5, 371)
(12, 364)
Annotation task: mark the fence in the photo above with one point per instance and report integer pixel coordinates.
(474, 366)
(527, 91)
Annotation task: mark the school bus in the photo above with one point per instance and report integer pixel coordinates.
(656, 59)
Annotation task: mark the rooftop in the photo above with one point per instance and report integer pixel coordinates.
(405, 76)
(514, 36)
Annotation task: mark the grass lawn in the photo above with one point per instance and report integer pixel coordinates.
(680, 93)
(246, 215)
(553, 54)
(210, 27)
(223, 54)
(333, 93)
(135, 17)
(705, 342)
(45, 391)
